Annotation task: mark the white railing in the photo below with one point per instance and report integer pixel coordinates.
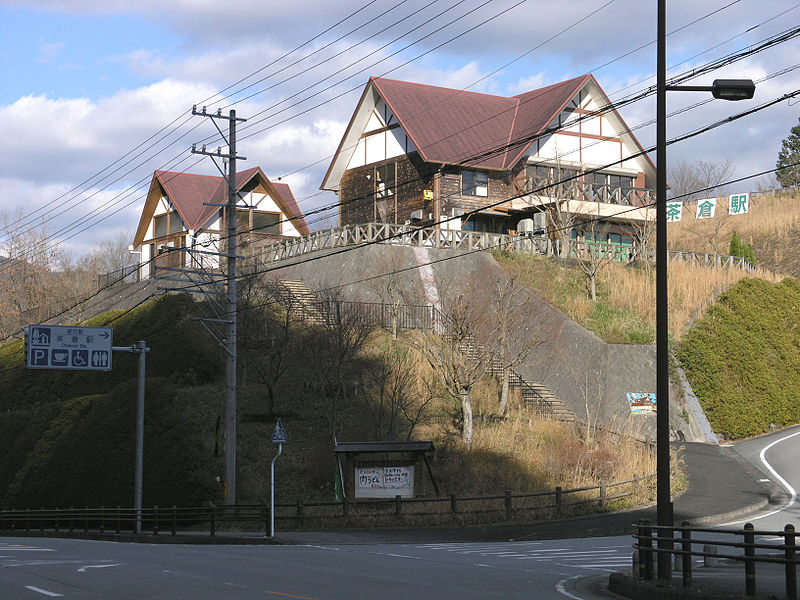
(431, 237)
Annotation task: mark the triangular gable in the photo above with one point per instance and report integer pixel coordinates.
(196, 198)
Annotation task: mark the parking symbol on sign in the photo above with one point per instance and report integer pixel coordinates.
(39, 357)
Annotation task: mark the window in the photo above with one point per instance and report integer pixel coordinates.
(474, 183)
(266, 222)
(385, 180)
(167, 224)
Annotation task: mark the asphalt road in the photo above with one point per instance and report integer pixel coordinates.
(82, 569)
(777, 456)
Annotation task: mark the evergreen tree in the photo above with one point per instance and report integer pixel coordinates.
(743, 249)
(788, 158)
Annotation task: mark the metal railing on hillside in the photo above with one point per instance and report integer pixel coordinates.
(210, 520)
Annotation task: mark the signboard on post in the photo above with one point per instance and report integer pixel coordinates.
(69, 348)
(279, 433)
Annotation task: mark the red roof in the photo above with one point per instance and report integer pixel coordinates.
(198, 197)
(459, 127)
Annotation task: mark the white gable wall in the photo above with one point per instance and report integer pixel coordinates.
(382, 145)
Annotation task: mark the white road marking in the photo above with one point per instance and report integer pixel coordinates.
(561, 589)
(41, 591)
(83, 569)
(783, 482)
(404, 556)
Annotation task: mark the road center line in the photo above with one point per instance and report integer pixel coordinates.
(41, 591)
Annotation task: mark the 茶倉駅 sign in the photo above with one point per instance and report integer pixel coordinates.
(72, 348)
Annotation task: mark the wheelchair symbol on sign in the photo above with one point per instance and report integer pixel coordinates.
(80, 358)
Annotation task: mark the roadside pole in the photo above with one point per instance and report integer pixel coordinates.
(141, 349)
(278, 437)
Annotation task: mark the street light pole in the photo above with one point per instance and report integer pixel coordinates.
(663, 495)
(724, 89)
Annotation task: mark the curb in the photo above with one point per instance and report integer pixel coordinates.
(641, 590)
(149, 538)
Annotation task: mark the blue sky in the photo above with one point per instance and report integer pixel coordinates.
(85, 82)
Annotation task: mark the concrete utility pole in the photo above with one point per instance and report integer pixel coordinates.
(229, 253)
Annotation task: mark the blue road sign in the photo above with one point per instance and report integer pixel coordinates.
(74, 347)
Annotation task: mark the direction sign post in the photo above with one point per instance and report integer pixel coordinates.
(74, 348)
(278, 437)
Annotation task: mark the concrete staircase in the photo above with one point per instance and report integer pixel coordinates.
(298, 293)
(536, 396)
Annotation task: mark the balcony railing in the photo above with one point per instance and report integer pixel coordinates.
(593, 192)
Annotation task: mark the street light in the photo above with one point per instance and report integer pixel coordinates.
(724, 89)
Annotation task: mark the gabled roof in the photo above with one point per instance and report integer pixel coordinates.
(194, 196)
(464, 128)
(460, 127)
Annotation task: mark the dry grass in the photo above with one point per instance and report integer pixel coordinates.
(691, 288)
(774, 215)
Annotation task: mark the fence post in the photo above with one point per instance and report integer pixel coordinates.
(119, 518)
(509, 506)
(212, 526)
(749, 562)
(791, 567)
(174, 520)
(155, 520)
(559, 499)
(453, 504)
(686, 559)
(603, 495)
(299, 511)
(102, 519)
(635, 484)
(266, 516)
(41, 520)
(345, 506)
(646, 557)
(398, 505)
(86, 520)
(71, 517)
(55, 522)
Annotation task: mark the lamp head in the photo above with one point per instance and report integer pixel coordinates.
(733, 89)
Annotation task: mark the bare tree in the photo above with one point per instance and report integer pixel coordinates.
(339, 345)
(270, 334)
(593, 257)
(511, 339)
(396, 394)
(457, 358)
(701, 179)
(643, 232)
(388, 285)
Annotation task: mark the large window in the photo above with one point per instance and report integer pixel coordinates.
(262, 222)
(474, 183)
(385, 193)
(167, 224)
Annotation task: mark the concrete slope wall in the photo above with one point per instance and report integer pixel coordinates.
(588, 375)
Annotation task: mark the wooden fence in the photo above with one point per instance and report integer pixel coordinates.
(212, 519)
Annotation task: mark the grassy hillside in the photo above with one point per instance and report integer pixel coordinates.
(743, 358)
(67, 438)
(625, 309)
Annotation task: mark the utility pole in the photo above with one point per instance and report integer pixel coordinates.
(229, 253)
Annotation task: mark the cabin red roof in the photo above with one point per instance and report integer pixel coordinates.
(198, 197)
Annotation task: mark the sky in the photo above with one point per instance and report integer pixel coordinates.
(97, 94)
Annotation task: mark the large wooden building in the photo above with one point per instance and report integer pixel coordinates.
(427, 155)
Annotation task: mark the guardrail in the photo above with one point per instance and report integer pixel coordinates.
(743, 549)
(209, 520)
